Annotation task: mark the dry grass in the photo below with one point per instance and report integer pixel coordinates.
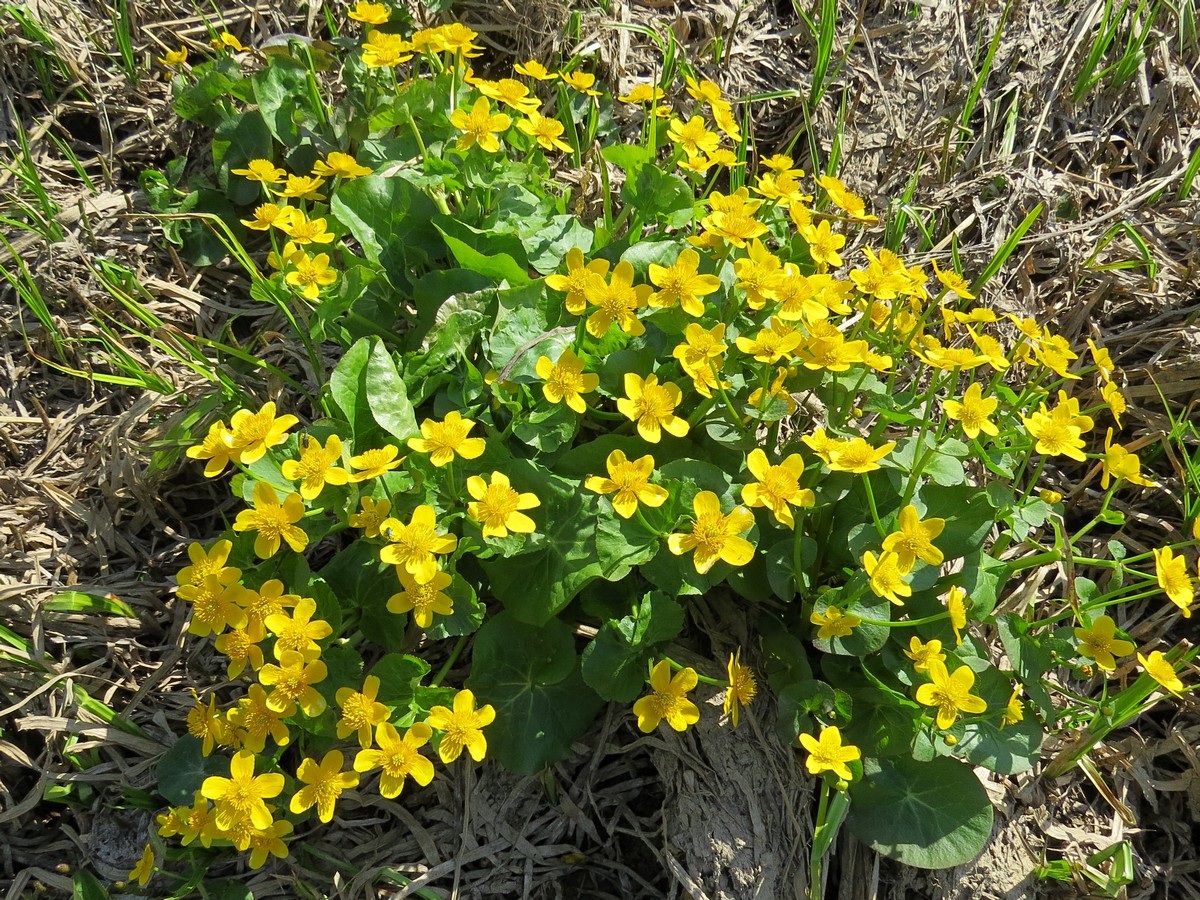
(81, 506)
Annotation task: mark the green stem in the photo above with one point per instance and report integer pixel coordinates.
(716, 682)
(871, 503)
(450, 661)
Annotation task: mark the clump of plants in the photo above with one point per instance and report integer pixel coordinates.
(727, 382)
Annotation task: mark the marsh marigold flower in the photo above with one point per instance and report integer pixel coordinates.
(462, 727)
(535, 70)
(1174, 580)
(215, 606)
(1160, 669)
(667, 700)
(384, 50)
(398, 758)
(211, 561)
(823, 244)
(303, 231)
(370, 516)
(304, 187)
(545, 130)
(583, 82)
(261, 170)
(273, 521)
(206, 723)
(497, 506)
(829, 754)
(447, 438)
(267, 215)
(253, 433)
(361, 712)
(1014, 710)
(886, 574)
(369, 13)
(617, 300)
(310, 274)
(174, 58)
(315, 468)
(951, 694)
(255, 721)
(953, 282)
(914, 539)
(422, 600)
(566, 380)
(973, 411)
(715, 535)
(217, 450)
(1121, 464)
(742, 687)
(241, 646)
(298, 630)
(629, 483)
(1114, 400)
(856, 456)
(833, 623)
(778, 486)
(956, 605)
(576, 279)
(480, 126)
(243, 795)
(922, 654)
(144, 869)
(339, 165)
(682, 283)
(413, 545)
(1099, 641)
(652, 406)
(323, 783)
(291, 684)
(375, 462)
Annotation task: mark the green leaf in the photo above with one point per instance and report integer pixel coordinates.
(387, 396)
(496, 256)
(356, 575)
(196, 102)
(468, 613)
(530, 675)
(932, 815)
(981, 580)
(82, 602)
(278, 91)
(391, 220)
(236, 142)
(183, 768)
(1029, 659)
(86, 886)
(548, 428)
(622, 544)
(614, 663)
(537, 584)
(968, 514)
(399, 674)
(655, 194)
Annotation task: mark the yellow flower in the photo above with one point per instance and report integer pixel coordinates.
(144, 869)
(216, 448)
(778, 487)
(422, 600)
(384, 51)
(273, 520)
(243, 795)
(833, 623)
(618, 300)
(922, 654)
(208, 562)
(371, 515)
(758, 274)
(462, 727)
(480, 126)
(778, 162)
(736, 227)
(442, 440)
(369, 13)
(566, 380)
(215, 605)
(643, 93)
(828, 754)
(823, 244)
(831, 352)
(291, 684)
(1054, 352)
(311, 273)
(956, 604)
(1121, 463)
(1014, 710)
(398, 757)
(1103, 360)
(1173, 578)
(375, 462)
(497, 506)
(652, 406)
(268, 214)
(303, 231)
(973, 411)
(914, 539)
(514, 94)
(253, 433)
(316, 468)
(715, 535)
(299, 631)
(535, 70)
(857, 456)
(742, 687)
(206, 724)
(576, 279)
(700, 347)
(262, 170)
(1114, 400)
(953, 282)
(778, 389)
(264, 842)
(174, 58)
(340, 165)
(1099, 641)
(849, 202)
(1160, 669)
(887, 575)
(667, 700)
(545, 130)
(242, 647)
(323, 784)
(583, 82)
(1054, 437)
(227, 40)
(951, 694)
(772, 343)
(413, 545)
(303, 187)
(693, 137)
(681, 283)
(629, 482)
(255, 720)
